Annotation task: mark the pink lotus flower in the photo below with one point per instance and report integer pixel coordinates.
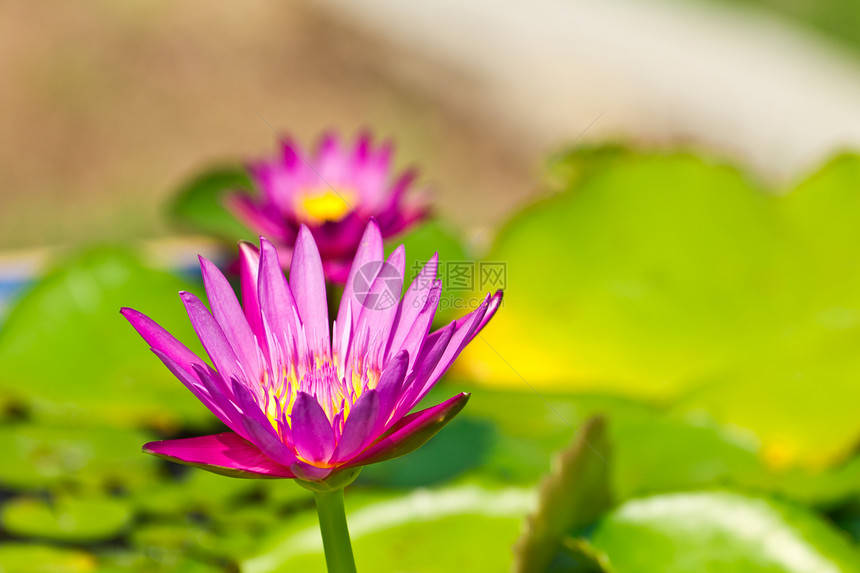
(333, 193)
(300, 402)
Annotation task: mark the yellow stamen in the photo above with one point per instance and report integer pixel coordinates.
(324, 205)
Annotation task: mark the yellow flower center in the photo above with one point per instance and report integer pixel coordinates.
(341, 396)
(324, 205)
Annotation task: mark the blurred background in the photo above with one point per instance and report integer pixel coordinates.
(107, 107)
(672, 186)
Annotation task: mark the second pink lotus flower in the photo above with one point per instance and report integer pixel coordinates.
(303, 400)
(332, 191)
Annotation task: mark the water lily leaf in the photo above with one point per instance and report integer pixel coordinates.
(799, 407)
(666, 454)
(721, 532)
(529, 427)
(574, 495)
(819, 488)
(680, 274)
(192, 494)
(461, 528)
(31, 558)
(68, 355)
(652, 289)
(183, 538)
(36, 456)
(199, 203)
(66, 518)
(158, 560)
(462, 446)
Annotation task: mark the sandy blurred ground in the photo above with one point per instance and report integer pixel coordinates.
(108, 106)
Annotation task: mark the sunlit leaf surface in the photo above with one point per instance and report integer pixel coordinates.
(663, 275)
(720, 532)
(67, 354)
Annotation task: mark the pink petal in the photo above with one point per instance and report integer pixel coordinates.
(161, 340)
(249, 269)
(212, 337)
(411, 432)
(415, 299)
(358, 430)
(214, 403)
(308, 472)
(227, 311)
(259, 429)
(307, 282)
(313, 436)
(390, 385)
(227, 454)
(381, 301)
(277, 304)
(370, 250)
(417, 334)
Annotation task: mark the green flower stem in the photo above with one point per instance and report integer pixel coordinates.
(335, 534)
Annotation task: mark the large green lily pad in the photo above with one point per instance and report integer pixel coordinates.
(36, 456)
(460, 528)
(81, 519)
(68, 355)
(720, 532)
(657, 275)
(32, 558)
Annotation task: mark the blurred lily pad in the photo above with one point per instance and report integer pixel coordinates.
(195, 491)
(676, 274)
(37, 456)
(666, 454)
(199, 204)
(461, 528)
(67, 354)
(32, 558)
(529, 427)
(182, 538)
(462, 445)
(80, 519)
(721, 532)
(644, 273)
(156, 561)
(802, 407)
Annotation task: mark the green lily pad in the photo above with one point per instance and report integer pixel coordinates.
(36, 456)
(819, 488)
(461, 528)
(648, 288)
(31, 558)
(196, 491)
(156, 561)
(529, 427)
(68, 355)
(801, 407)
(186, 538)
(661, 275)
(66, 518)
(199, 203)
(665, 454)
(462, 445)
(720, 532)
